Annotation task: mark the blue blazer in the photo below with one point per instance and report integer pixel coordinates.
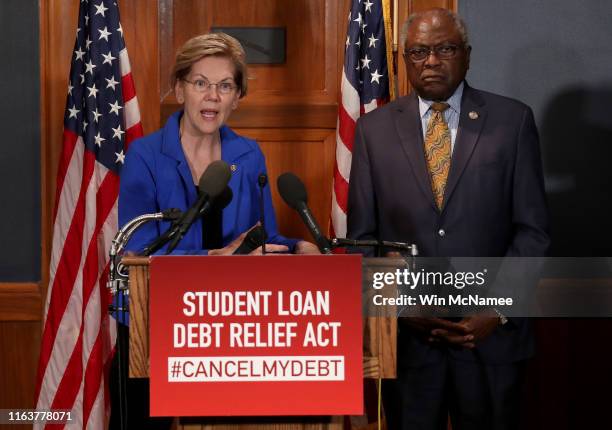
(156, 176)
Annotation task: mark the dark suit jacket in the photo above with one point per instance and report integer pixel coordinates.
(494, 203)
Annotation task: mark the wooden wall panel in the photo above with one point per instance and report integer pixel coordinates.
(140, 22)
(307, 22)
(301, 93)
(306, 30)
(20, 302)
(19, 344)
(310, 155)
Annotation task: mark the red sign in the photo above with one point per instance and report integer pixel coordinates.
(247, 335)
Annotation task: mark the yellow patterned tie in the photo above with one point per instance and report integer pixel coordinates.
(438, 151)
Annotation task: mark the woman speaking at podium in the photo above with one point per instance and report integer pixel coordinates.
(162, 169)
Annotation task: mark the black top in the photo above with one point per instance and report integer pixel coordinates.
(212, 227)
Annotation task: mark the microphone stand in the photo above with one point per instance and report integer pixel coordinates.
(262, 180)
(402, 246)
(160, 241)
(378, 245)
(118, 284)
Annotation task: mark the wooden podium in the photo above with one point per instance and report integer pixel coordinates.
(379, 355)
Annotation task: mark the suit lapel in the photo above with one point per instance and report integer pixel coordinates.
(471, 120)
(171, 147)
(408, 125)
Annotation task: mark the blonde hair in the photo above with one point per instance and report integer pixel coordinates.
(216, 44)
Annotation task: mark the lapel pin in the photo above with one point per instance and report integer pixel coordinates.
(473, 115)
(233, 167)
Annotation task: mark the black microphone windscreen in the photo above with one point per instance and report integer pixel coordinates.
(215, 178)
(291, 189)
(224, 198)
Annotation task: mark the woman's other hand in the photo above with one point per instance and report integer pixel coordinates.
(304, 247)
(229, 249)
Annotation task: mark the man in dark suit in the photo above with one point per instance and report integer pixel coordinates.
(457, 171)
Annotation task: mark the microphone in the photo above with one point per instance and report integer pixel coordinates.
(293, 192)
(212, 183)
(223, 199)
(174, 215)
(255, 238)
(262, 181)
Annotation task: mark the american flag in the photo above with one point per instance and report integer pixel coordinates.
(100, 121)
(364, 87)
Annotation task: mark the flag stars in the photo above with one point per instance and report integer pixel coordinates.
(120, 29)
(82, 78)
(93, 91)
(87, 42)
(120, 157)
(368, 6)
(99, 139)
(115, 108)
(111, 83)
(96, 115)
(73, 111)
(372, 40)
(100, 9)
(86, 19)
(348, 41)
(365, 62)
(108, 58)
(359, 19)
(89, 67)
(117, 132)
(363, 27)
(70, 88)
(85, 126)
(375, 77)
(78, 54)
(104, 33)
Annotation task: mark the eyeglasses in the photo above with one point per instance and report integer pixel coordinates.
(421, 53)
(202, 85)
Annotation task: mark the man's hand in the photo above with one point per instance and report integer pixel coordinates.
(475, 327)
(437, 330)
